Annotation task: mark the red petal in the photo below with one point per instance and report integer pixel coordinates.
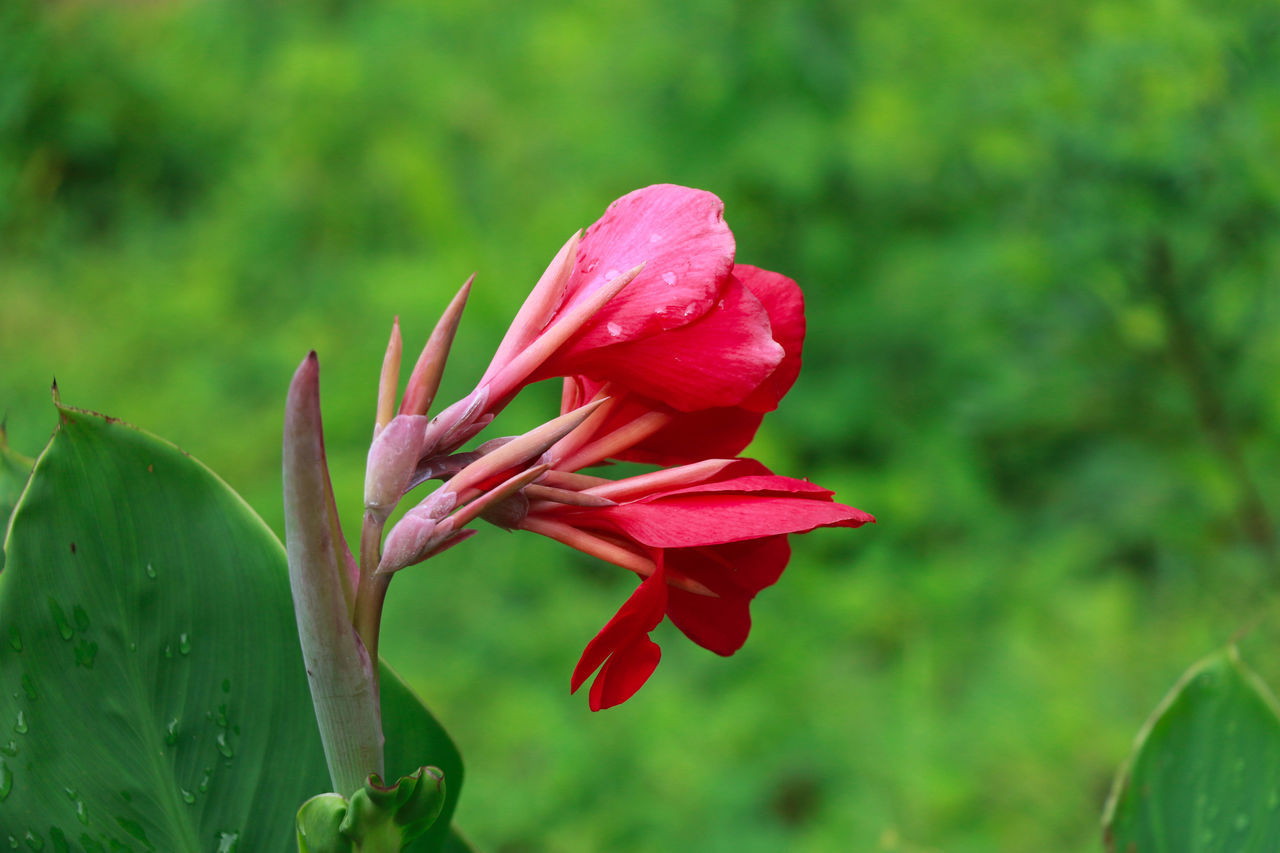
(638, 615)
(709, 434)
(692, 520)
(784, 302)
(624, 673)
(716, 361)
(680, 235)
(736, 572)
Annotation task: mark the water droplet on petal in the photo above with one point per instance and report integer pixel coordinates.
(689, 309)
(610, 275)
(614, 329)
(655, 237)
(669, 277)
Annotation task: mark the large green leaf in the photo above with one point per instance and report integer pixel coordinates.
(152, 695)
(14, 470)
(1205, 774)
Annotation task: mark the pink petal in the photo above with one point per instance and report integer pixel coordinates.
(784, 303)
(680, 235)
(638, 615)
(624, 673)
(716, 361)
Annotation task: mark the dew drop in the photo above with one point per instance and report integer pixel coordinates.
(6, 781)
(86, 653)
(151, 571)
(228, 842)
(168, 650)
(204, 782)
(689, 309)
(15, 639)
(21, 725)
(34, 841)
(13, 842)
(171, 732)
(60, 619)
(224, 746)
(655, 237)
(82, 618)
(135, 829)
(10, 749)
(82, 812)
(669, 277)
(610, 275)
(187, 797)
(59, 840)
(614, 329)
(184, 644)
(220, 718)
(29, 687)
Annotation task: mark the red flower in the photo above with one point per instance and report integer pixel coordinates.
(686, 327)
(708, 537)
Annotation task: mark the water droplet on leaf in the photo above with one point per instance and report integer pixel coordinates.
(6, 780)
(60, 619)
(184, 644)
(208, 777)
(86, 653)
(171, 732)
(21, 725)
(15, 639)
(228, 842)
(82, 618)
(187, 797)
(10, 749)
(29, 687)
(34, 841)
(223, 746)
(151, 572)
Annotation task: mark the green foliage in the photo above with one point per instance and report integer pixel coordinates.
(154, 692)
(1043, 346)
(1205, 774)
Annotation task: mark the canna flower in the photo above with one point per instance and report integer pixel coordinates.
(649, 298)
(705, 538)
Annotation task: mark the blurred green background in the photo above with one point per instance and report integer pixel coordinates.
(1038, 242)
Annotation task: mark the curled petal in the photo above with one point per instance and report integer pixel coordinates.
(782, 299)
(680, 235)
(639, 615)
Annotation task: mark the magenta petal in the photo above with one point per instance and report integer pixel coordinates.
(680, 235)
(638, 615)
(625, 672)
(784, 303)
(720, 625)
(716, 361)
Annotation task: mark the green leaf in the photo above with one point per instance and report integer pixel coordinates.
(1205, 773)
(152, 695)
(14, 471)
